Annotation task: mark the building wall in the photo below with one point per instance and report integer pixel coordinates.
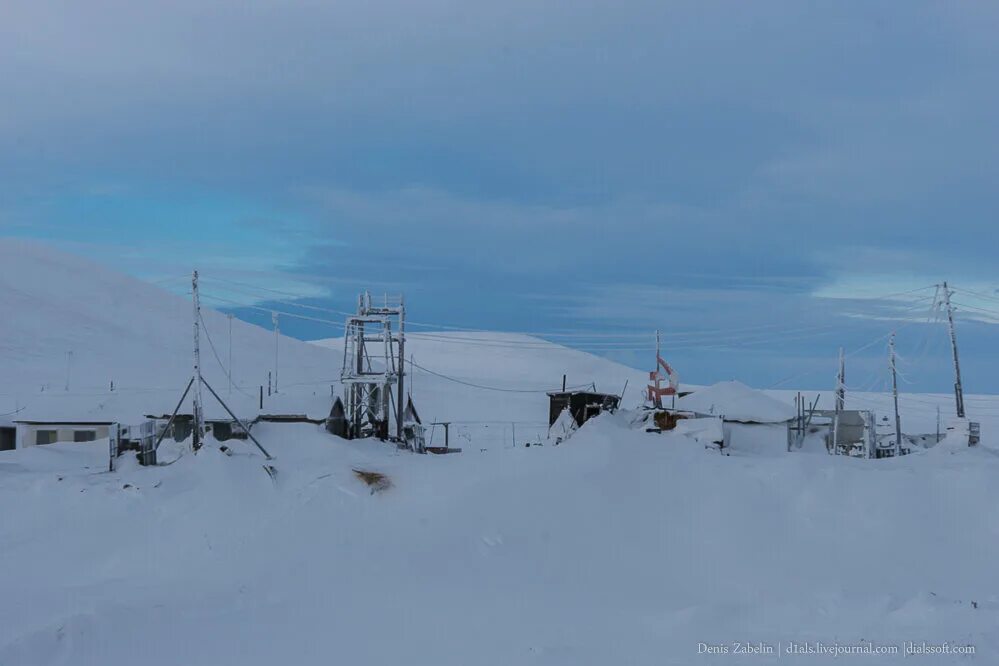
(27, 433)
(756, 438)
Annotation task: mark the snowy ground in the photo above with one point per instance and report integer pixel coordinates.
(616, 547)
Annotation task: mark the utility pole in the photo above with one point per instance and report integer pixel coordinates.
(958, 389)
(277, 338)
(938, 424)
(841, 383)
(198, 432)
(840, 401)
(658, 402)
(894, 391)
(400, 403)
(69, 363)
(230, 353)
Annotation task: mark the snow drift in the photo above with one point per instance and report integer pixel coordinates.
(734, 401)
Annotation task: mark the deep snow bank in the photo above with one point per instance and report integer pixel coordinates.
(615, 547)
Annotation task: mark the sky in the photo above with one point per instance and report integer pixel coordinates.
(751, 179)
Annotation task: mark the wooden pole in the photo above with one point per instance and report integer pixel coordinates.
(894, 391)
(277, 341)
(401, 401)
(958, 389)
(229, 369)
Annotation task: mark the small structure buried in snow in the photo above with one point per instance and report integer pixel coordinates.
(752, 420)
(582, 405)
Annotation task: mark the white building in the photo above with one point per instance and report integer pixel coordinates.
(753, 422)
(50, 418)
(34, 433)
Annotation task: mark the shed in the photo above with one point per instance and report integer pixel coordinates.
(752, 420)
(583, 405)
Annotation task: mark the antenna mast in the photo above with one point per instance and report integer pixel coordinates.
(198, 433)
(277, 341)
(958, 389)
(197, 381)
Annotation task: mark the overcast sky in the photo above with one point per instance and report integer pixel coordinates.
(575, 166)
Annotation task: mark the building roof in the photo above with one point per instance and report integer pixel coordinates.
(73, 422)
(596, 394)
(134, 407)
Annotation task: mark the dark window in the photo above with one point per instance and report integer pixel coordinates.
(84, 435)
(46, 436)
(8, 437)
(222, 431)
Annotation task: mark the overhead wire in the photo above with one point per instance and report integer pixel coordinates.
(294, 315)
(251, 290)
(994, 313)
(600, 341)
(227, 371)
(490, 388)
(978, 294)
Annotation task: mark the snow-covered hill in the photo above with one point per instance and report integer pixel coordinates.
(71, 321)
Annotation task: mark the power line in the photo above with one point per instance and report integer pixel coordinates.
(994, 313)
(489, 388)
(252, 290)
(211, 345)
(710, 336)
(718, 341)
(329, 322)
(304, 306)
(847, 355)
(990, 297)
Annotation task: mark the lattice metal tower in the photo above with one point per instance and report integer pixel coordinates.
(373, 364)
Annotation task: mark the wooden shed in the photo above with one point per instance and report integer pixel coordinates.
(583, 405)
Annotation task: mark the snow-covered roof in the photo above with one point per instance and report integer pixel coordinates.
(737, 402)
(132, 407)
